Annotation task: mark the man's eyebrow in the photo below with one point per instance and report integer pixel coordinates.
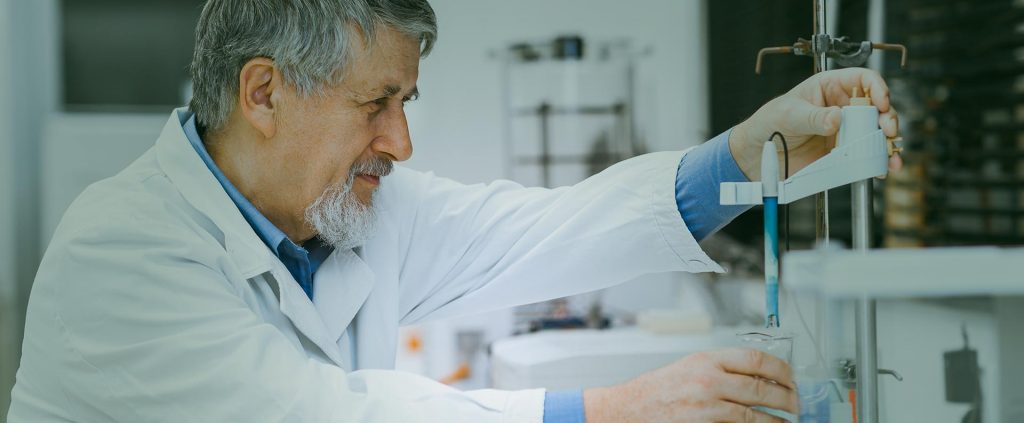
(392, 90)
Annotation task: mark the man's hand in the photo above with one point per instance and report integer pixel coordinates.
(719, 386)
(809, 116)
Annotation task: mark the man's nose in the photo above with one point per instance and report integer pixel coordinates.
(393, 137)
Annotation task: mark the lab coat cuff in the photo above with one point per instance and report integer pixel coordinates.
(524, 406)
(666, 212)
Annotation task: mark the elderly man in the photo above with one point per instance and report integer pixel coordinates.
(256, 263)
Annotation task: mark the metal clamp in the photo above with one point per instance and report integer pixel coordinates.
(848, 371)
(846, 53)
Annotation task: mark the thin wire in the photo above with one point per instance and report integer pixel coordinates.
(785, 289)
(785, 207)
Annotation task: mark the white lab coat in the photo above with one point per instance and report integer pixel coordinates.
(156, 301)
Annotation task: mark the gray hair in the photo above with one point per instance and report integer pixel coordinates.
(310, 41)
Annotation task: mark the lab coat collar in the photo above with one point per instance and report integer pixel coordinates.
(340, 288)
(198, 186)
(297, 306)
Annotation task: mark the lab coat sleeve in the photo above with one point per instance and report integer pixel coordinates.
(142, 325)
(473, 248)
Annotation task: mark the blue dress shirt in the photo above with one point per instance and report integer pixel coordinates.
(700, 173)
(697, 179)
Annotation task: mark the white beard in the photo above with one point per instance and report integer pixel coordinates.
(341, 219)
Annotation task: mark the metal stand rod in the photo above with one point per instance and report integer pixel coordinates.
(820, 28)
(821, 227)
(867, 348)
(821, 218)
(545, 144)
(867, 363)
(866, 330)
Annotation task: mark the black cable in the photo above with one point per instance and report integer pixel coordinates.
(785, 207)
(785, 230)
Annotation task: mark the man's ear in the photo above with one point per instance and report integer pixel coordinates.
(258, 82)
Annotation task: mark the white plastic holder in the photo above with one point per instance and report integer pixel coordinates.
(861, 152)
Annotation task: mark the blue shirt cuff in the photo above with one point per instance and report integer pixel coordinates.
(698, 180)
(564, 407)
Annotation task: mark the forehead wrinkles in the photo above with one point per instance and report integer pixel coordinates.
(377, 70)
(361, 66)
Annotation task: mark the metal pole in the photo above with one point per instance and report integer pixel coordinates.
(545, 144)
(867, 351)
(821, 232)
(866, 329)
(507, 62)
(820, 28)
(632, 146)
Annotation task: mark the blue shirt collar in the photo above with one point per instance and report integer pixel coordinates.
(266, 230)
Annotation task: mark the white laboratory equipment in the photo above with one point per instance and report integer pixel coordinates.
(569, 108)
(950, 326)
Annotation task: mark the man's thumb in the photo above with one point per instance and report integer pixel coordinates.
(824, 120)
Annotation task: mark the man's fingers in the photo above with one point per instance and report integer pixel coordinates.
(809, 119)
(863, 79)
(755, 363)
(873, 82)
(890, 123)
(748, 390)
(836, 94)
(895, 163)
(736, 413)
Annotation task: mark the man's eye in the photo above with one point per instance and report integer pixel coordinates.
(376, 105)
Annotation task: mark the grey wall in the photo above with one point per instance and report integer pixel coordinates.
(8, 287)
(28, 90)
(457, 125)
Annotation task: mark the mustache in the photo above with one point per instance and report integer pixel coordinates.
(374, 166)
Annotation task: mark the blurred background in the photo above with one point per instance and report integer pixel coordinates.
(547, 92)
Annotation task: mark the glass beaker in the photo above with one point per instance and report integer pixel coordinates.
(778, 344)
